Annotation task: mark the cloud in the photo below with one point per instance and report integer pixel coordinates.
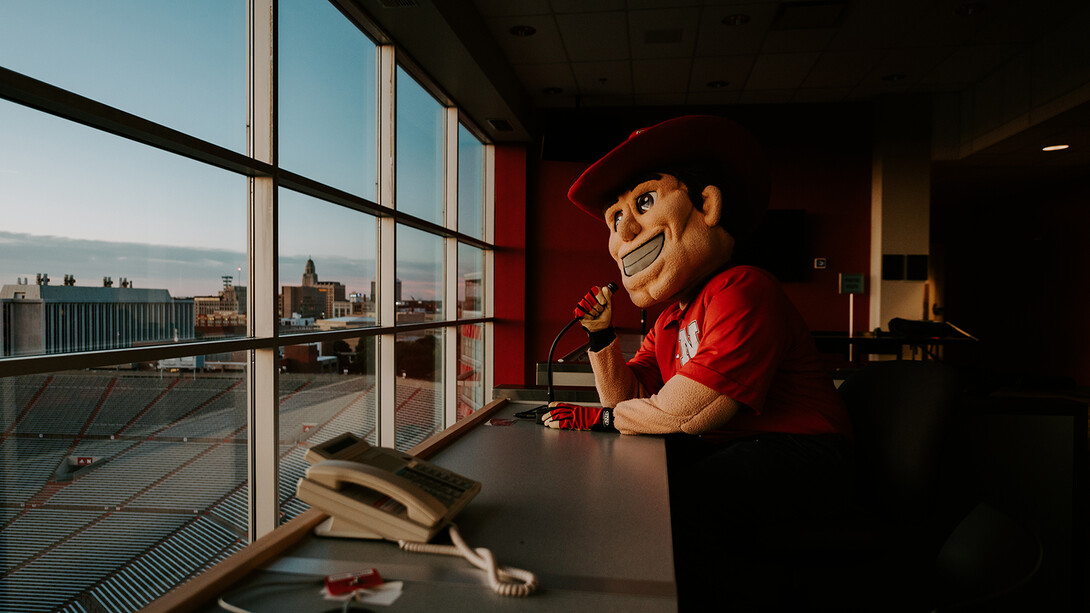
(185, 271)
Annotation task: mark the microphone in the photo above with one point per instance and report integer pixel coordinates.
(538, 412)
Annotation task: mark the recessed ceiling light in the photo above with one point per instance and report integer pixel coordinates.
(1054, 148)
(895, 77)
(737, 19)
(552, 91)
(523, 31)
(718, 84)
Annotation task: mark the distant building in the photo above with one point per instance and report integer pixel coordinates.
(231, 300)
(223, 315)
(397, 291)
(41, 318)
(313, 298)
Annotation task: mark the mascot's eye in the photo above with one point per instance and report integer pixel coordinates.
(617, 221)
(645, 201)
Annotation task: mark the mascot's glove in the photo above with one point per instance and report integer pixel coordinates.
(574, 417)
(594, 311)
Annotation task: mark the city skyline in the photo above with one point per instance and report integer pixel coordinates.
(184, 271)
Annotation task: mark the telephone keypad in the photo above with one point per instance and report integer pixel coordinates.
(445, 486)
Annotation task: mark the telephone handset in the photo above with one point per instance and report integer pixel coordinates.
(380, 493)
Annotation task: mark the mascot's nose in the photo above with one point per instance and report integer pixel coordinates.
(630, 228)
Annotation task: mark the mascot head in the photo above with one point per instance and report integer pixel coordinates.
(677, 197)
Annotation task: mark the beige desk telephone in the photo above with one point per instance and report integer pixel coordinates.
(380, 493)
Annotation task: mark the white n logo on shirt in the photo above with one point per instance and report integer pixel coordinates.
(688, 339)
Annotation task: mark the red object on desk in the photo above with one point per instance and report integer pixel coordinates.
(346, 583)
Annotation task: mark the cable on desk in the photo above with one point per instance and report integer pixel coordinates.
(236, 609)
(506, 581)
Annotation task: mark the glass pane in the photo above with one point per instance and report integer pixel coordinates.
(326, 389)
(418, 290)
(328, 126)
(107, 243)
(470, 184)
(470, 369)
(134, 476)
(470, 282)
(181, 64)
(418, 394)
(327, 265)
(419, 151)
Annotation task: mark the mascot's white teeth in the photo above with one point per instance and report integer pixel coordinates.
(641, 257)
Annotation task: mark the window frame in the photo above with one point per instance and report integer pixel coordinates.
(259, 166)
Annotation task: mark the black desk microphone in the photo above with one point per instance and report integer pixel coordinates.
(539, 411)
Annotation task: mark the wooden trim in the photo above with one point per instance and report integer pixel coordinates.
(204, 588)
(441, 440)
(198, 592)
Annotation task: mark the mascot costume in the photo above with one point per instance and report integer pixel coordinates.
(756, 431)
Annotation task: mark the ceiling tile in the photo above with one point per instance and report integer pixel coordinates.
(605, 100)
(661, 76)
(502, 8)
(714, 38)
(875, 25)
(797, 41)
(543, 47)
(538, 77)
(663, 33)
(967, 64)
(842, 69)
(733, 69)
(914, 64)
(637, 5)
(672, 99)
(603, 78)
(593, 37)
(819, 95)
(769, 96)
(714, 97)
(780, 71)
(585, 6)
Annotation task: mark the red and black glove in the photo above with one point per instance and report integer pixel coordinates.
(596, 317)
(575, 417)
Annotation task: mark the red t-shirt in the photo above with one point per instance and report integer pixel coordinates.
(742, 337)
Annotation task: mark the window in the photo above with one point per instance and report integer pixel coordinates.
(167, 271)
(470, 184)
(328, 122)
(180, 64)
(420, 144)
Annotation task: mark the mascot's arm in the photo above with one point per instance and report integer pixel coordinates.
(614, 379)
(682, 405)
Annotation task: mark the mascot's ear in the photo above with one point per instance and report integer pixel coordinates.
(712, 209)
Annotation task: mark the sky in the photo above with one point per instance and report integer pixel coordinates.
(74, 200)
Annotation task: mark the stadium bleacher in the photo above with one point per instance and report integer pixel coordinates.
(135, 481)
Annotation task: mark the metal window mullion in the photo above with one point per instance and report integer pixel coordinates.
(262, 402)
(450, 267)
(387, 269)
(488, 285)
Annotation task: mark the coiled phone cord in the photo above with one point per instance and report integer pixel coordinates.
(506, 581)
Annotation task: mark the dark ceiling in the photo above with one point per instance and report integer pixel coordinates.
(543, 55)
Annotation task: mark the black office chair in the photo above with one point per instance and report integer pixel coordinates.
(983, 562)
(917, 537)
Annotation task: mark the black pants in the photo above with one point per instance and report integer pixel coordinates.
(724, 501)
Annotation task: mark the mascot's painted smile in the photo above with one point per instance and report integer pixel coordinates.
(641, 257)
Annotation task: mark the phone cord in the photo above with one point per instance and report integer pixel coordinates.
(506, 581)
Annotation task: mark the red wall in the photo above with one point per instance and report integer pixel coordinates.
(510, 265)
(834, 189)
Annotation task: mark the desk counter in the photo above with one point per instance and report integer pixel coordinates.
(587, 512)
